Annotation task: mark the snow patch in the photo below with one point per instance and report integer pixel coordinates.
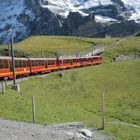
(63, 8)
(136, 5)
(104, 19)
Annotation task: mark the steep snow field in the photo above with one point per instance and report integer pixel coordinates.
(9, 11)
(136, 12)
(63, 7)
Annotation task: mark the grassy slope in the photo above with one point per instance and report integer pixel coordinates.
(51, 44)
(77, 97)
(128, 47)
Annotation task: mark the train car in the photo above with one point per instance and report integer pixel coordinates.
(73, 62)
(26, 66)
(65, 63)
(4, 67)
(37, 65)
(52, 64)
(91, 60)
(21, 67)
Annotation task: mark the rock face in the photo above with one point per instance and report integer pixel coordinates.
(70, 17)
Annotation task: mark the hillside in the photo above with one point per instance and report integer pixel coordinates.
(50, 45)
(77, 97)
(126, 47)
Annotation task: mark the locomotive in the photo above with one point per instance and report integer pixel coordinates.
(28, 66)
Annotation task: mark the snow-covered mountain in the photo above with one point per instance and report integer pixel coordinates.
(134, 7)
(65, 17)
(63, 7)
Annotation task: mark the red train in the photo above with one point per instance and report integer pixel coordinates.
(26, 66)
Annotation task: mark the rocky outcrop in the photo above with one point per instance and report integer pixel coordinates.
(119, 29)
(122, 29)
(32, 18)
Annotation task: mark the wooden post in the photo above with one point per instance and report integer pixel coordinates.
(103, 115)
(111, 60)
(33, 108)
(5, 83)
(3, 88)
(135, 52)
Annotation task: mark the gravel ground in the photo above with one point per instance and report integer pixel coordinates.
(12, 130)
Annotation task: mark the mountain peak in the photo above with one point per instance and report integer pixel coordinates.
(35, 17)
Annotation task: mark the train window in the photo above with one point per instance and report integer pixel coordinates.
(91, 59)
(1, 64)
(28, 63)
(16, 63)
(51, 62)
(60, 61)
(64, 62)
(20, 64)
(33, 63)
(6, 64)
(67, 61)
(75, 60)
(24, 63)
(42, 62)
(39, 63)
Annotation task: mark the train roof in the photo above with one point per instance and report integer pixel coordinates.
(25, 58)
(61, 58)
(6, 57)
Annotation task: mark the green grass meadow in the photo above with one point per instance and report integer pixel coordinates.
(50, 45)
(126, 47)
(77, 97)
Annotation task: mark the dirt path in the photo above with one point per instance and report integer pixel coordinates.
(12, 130)
(123, 123)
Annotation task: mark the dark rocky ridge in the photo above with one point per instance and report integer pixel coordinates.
(45, 22)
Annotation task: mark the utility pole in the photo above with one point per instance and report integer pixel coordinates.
(13, 62)
(103, 114)
(15, 87)
(9, 50)
(33, 109)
